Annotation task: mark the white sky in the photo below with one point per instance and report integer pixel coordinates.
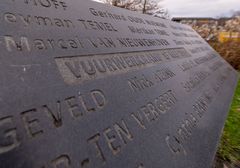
(201, 8)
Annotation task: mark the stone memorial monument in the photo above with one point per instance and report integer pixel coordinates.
(86, 85)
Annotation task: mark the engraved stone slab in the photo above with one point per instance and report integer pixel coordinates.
(85, 85)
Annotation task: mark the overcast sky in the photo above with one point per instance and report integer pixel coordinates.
(201, 8)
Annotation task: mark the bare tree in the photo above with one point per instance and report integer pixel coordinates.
(127, 4)
(151, 7)
(236, 13)
(144, 6)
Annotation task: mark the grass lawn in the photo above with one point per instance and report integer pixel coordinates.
(229, 149)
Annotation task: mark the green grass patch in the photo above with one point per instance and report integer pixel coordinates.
(229, 149)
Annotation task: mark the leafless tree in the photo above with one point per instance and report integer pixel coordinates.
(127, 4)
(150, 7)
(144, 6)
(236, 13)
